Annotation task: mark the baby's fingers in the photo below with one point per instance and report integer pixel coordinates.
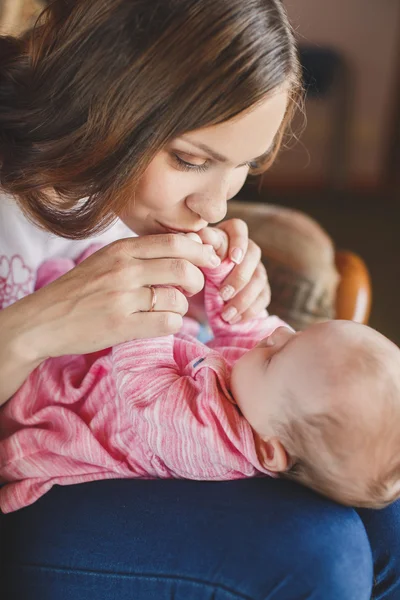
(217, 238)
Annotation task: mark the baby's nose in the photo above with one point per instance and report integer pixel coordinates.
(279, 337)
(263, 343)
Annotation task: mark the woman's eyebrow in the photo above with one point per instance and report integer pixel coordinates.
(219, 157)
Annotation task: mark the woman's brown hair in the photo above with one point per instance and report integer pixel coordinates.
(97, 88)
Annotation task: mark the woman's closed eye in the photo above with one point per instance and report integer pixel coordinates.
(188, 166)
(200, 168)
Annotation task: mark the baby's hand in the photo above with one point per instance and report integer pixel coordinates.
(195, 237)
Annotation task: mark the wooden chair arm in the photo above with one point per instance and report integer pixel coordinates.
(354, 293)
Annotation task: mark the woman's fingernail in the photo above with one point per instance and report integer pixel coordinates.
(227, 292)
(193, 236)
(215, 260)
(229, 314)
(237, 255)
(236, 320)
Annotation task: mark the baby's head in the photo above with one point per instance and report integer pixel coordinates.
(324, 405)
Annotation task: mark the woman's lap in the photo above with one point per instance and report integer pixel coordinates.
(383, 530)
(255, 539)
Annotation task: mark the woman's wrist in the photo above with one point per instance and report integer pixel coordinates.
(19, 352)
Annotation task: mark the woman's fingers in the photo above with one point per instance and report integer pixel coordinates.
(249, 297)
(167, 299)
(100, 303)
(255, 309)
(241, 275)
(173, 272)
(238, 235)
(217, 238)
(154, 324)
(169, 245)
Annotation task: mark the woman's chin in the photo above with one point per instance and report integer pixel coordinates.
(141, 227)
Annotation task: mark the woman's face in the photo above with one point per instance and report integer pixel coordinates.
(188, 183)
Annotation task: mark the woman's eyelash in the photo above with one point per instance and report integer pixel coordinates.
(187, 166)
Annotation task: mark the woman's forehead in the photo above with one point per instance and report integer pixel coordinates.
(248, 136)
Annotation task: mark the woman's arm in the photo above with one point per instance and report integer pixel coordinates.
(102, 302)
(18, 357)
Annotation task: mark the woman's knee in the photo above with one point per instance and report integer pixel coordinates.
(291, 544)
(337, 559)
(383, 530)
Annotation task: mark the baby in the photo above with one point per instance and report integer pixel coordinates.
(321, 407)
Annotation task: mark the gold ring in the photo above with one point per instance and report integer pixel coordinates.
(153, 298)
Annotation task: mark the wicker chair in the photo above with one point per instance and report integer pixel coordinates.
(310, 280)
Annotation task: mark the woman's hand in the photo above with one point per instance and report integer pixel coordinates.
(102, 302)
(105, 300)
(246, 289)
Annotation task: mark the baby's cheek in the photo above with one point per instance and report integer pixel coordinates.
(248, 389)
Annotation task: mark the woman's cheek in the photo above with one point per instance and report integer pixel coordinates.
(237, 182)
(178, 187)
(160, 187)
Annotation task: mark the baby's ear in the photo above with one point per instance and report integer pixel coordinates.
(273, 455)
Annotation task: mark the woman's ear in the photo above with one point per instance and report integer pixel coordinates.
(273, 455)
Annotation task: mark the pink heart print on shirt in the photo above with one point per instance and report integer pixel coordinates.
(16, 279)
(4, 268)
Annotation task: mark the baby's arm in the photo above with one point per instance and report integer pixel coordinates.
(178, 406)
(243, 334)
(138, 363)
(142, 368)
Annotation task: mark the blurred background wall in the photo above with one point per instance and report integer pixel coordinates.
(365, 34)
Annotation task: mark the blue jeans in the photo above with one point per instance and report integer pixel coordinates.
(259, 539)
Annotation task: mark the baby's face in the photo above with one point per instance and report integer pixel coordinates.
(260, 377)
(303, 363)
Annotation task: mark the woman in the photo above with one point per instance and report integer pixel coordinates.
(154, 112)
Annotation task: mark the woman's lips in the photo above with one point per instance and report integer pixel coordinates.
(175, 230)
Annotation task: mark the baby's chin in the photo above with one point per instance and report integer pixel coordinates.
(234, 381)
(246, 390)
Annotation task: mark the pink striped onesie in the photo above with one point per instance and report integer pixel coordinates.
(145, 409)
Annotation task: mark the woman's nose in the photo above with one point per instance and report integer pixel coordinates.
(210, 203)
(211, 208)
